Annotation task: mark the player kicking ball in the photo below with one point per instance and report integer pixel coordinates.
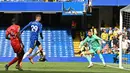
(83, 51)
(12, 34)
(95, 47)
(36, 28)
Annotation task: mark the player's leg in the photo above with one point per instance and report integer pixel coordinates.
(10, 63)
(20, 65)
(28, 53)
(89, 57)
(14, 60)
(100, 55)
(40, 50)
(20, 57)
(31, 57)
(42, 53)
(32, 46)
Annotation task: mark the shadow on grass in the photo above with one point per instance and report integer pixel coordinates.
(29, 71)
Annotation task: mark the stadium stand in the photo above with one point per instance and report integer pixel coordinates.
(56, 43)
(43, 0)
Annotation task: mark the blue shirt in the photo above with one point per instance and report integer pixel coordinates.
(36, 28)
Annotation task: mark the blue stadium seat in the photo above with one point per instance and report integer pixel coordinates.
(56, 43)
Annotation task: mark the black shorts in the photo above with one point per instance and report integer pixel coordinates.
(37, 43)
(21, 54)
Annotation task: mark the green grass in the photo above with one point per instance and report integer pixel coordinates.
(61, 67)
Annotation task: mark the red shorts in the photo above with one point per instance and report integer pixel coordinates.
(17, 46)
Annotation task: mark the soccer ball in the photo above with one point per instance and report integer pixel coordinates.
(42, 57)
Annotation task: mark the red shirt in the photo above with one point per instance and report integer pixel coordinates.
(13, 31)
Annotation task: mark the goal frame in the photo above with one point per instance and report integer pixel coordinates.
(125, 9)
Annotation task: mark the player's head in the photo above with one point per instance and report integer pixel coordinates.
(89, 33)
(14, 21)
(38, 17)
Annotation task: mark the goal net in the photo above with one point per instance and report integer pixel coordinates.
(124, 57)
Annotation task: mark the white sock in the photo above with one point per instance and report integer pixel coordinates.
(91, 62)
(25, 55)
(103, 63)
(44, 53)
(38, 51)
(35, 53)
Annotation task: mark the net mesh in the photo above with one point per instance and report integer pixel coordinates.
(123, 57)
(126, 23)
(126, 19)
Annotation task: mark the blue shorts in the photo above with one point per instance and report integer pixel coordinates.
(34, 43)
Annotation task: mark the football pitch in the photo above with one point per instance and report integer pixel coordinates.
(61, 67)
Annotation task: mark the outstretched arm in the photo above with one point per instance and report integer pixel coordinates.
(98, 38)
(25, 27)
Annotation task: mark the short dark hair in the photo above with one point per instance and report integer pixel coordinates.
(14, 21)
(38, 15)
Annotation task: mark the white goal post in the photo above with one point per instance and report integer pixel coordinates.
(124, 21)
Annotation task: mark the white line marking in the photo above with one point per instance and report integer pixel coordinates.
(112, 66)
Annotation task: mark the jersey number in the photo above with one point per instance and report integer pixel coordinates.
(34, 28)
